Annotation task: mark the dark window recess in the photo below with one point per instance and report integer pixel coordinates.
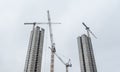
(83, 54)
(29, 50)
(37, 53)
(88, 39)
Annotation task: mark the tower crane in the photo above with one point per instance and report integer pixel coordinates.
(89, 47)
(53, 50)
(52, 47)
(88, 30)
(68, 64)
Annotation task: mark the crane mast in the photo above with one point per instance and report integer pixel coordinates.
(68, 64)
(52, 44)
(50, 29)
(53, 50)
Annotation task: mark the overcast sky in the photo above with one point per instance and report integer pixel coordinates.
(102, 16)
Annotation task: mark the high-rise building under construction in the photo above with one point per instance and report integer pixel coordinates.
(35, 48)
(86, 55)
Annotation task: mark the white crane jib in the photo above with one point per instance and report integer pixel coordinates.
(68, 64)
(88, 30)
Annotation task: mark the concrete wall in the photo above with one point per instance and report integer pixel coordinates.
(34, 54)
(86, 56)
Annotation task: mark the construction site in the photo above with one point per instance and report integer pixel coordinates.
(36, 45)
(59, 35)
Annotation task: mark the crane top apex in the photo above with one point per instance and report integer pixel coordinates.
(88, 30)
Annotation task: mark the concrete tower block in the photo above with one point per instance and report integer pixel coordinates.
(35, 48)
(86, 55)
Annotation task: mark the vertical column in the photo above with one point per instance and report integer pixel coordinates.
(33, 55)
(52, 62)
(28, 52)
(40, 51)
(81, 55)
(92, 55)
